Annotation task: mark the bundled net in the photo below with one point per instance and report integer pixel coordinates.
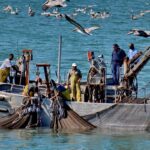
(25, 116)
(63, 117)
(28, 115)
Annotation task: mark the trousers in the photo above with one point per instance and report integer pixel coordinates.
(116, 73)
(4, 74)
(75, 88)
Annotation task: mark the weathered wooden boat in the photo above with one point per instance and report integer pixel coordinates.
(104, 105)
(19, 111)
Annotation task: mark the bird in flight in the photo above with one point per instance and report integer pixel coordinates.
(138, 32)
(53, 3)
(79, 28)
(87, 30)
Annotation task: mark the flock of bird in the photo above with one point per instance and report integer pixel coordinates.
(78, 27)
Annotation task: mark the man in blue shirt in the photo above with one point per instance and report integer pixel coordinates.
(118, 56)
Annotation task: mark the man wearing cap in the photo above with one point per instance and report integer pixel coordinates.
(74, 77)
(118, 56)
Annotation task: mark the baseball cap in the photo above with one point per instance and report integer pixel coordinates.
(74, 64)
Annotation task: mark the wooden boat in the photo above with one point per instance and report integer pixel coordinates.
(117, 108)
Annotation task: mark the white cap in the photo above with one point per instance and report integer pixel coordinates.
(100, 56)
(74, 64)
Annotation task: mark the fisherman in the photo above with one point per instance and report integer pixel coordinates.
(74, 77)
(5, 68)
(38, 80)
(20, 75)
(132, 51)
(118, 56)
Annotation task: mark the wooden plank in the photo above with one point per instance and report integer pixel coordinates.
(27, 51)
(43, 65)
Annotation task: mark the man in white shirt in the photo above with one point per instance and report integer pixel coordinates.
(5, 68)
(132, 51)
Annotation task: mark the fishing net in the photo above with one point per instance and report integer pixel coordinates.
(122, 116)
(25, 116)
(65, 118)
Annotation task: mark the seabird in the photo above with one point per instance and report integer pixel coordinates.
(14, 12)
(135, 17)
(53, 3)
(141, 14)
(87, 30)
(30, 11)
(8, 8)
(79, 28)
(138, 32)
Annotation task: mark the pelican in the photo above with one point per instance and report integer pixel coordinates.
(79, 28)
(138, 32)
(87, 30)
(14, 12)
(53, 3)
(30, 11)
(8, 8)
(135, 17)
(141, 14)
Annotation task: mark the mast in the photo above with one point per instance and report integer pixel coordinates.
(46, 68)
(59, 58)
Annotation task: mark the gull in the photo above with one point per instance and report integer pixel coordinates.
(138, 32)
(8, 8)
(79, 28)
(53, 3)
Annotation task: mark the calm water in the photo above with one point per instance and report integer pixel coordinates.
(44, 139)
(41, 34)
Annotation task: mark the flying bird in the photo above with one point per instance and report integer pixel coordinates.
(87, 30)
(79, 28)
(138, 32)
(53, 3)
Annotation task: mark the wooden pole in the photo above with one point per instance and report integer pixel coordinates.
(59, 59)
(27, 72)
(47, 80)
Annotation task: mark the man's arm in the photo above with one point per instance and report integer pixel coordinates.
(79, 74)
(68, 77)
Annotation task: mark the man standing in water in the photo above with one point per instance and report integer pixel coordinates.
(118, 56)
(74, 77)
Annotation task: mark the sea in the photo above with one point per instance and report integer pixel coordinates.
(41, 34)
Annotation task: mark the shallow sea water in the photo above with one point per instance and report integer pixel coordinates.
(41, 34)
(45, 139)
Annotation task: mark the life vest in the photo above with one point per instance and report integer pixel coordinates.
(65, 91)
